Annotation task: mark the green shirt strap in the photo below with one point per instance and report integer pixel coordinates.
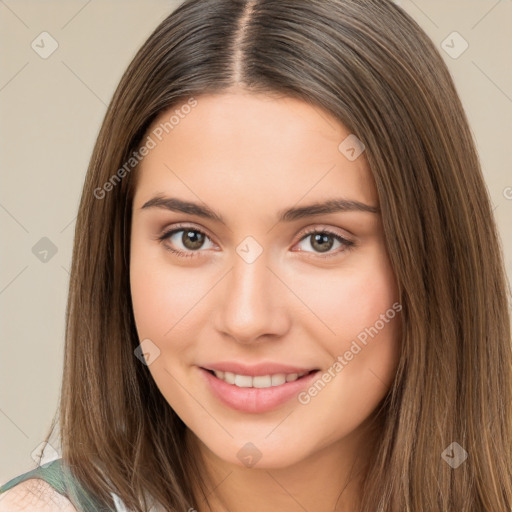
(58, 475)
(50, 473)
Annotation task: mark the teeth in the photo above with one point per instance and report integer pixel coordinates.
(243, 381)
(228, 377)
(278, 379)
(261, 381)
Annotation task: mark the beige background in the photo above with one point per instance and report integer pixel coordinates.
(50, 113)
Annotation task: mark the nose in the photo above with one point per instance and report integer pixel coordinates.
(252, 306)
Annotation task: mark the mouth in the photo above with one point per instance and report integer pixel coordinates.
(256, 394)
(258, 381)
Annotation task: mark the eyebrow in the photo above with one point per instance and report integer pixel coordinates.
(287, 215)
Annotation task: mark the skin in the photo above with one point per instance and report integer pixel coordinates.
(247, 157)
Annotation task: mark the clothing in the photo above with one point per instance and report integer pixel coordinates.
(58, 475)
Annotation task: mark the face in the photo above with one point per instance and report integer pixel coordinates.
(271, 328)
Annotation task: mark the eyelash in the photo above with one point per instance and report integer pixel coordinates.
(349, 245)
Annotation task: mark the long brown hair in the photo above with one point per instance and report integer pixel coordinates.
(370, 65)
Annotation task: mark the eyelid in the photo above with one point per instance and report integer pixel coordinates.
(346, 241)
(321, 228)
(182, 226)
(171, 230)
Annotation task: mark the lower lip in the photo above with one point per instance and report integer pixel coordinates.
(255, 400)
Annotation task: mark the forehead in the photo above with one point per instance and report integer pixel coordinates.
(260, 150)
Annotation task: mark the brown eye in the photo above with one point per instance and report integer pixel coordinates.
(192, 239)
(185, 241)
(322, 242)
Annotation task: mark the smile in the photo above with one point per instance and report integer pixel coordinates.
(260, 381)
(256, 389)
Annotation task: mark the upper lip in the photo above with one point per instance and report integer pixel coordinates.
(254, 370)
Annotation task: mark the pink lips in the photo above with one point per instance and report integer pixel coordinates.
(256, 369)
(255, 400)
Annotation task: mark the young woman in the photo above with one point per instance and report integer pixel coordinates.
(287, 289)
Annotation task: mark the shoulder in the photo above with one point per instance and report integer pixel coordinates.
(34, 495)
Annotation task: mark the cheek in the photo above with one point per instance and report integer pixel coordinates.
(161, 298)
(360, 310)
(352, 299)
(166, 298)
(158, 295)
(151, 299)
